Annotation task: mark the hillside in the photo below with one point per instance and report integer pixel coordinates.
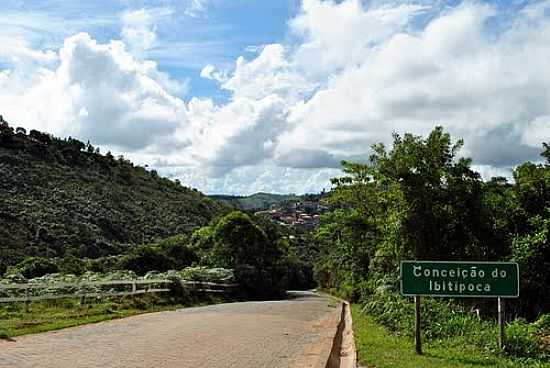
(262, 201)
(62, 197)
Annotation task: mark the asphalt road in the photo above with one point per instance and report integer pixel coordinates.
(290, 333)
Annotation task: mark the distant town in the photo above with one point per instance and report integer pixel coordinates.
(302, 214)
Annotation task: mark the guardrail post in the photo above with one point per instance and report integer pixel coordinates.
(27, 291)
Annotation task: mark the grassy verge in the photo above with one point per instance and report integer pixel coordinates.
(376, 347)
(57, 314)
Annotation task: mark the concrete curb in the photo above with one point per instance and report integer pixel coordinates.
(343, 353)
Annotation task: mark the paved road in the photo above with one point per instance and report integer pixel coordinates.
(289, 333)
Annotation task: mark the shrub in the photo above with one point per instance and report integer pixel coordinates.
(145, 258)
(34, 267)
(178, 250)
(521, 340)
(72, 265)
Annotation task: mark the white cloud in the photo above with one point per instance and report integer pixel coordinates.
(484, 89)
(296, 109)
(537, 131)
(355, 30)
(139, 27)
(196, 8)
(211, 72)
(98, 92)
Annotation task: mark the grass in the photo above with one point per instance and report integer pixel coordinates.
(377, 348)
(57, 314)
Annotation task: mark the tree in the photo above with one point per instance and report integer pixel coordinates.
(530, 234)
(237, 241)
(40, 137)
(417, 200)
(546, 152)
(145, 258)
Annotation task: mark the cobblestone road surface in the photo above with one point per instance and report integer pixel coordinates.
(289, 333)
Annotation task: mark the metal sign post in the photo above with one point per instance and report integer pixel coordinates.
(460, 280)
(501, 318)
(417, 326)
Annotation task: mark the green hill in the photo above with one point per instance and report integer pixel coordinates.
(62, 197)
(262, 201)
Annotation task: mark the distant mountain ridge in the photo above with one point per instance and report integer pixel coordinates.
(62, 197)
(262, 201)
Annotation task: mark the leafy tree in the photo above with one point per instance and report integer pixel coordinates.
(178, 250)
(531, 241)
(145, 258)
(417, 200)
(237, 241)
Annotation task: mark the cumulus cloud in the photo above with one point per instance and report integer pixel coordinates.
(483, 88)
(296, 109)
(138, 29)
(97, 92)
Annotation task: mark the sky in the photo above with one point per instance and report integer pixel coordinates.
(241, 96)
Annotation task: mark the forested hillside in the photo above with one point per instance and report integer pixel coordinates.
(61, 197)
(256, 201)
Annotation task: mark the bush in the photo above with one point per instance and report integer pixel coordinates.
(72, 265)
(179, 251)
(145, 258)
(521, 339)
(256, 283)
(542, 324)
(34, 267)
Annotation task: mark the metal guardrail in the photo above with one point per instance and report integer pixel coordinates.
(208, 287)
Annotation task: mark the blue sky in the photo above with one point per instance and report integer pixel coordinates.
(239, 96)
(188, 36)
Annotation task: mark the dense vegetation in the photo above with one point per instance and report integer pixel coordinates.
(420, 200)
(65, 208)
(62, 198)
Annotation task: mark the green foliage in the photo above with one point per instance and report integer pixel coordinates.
(72, 265)
(418, 199)
(522, 341)
(259, 251)
(421, 200)
(61, 196)
(145, 258)
(448, 320)
(376, 347)
(34, 267)
(257, 201)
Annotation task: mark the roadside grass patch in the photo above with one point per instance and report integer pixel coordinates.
(377, 347)
(50, 315)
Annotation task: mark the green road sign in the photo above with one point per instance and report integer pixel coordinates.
(460, 279)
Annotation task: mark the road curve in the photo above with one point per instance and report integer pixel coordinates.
(288, 333)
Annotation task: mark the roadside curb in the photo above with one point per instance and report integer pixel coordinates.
(343, 353)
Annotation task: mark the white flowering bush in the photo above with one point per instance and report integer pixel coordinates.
(90, 282)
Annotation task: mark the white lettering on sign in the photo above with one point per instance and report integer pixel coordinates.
(464, 273)
(459, 286)
(496, 273)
